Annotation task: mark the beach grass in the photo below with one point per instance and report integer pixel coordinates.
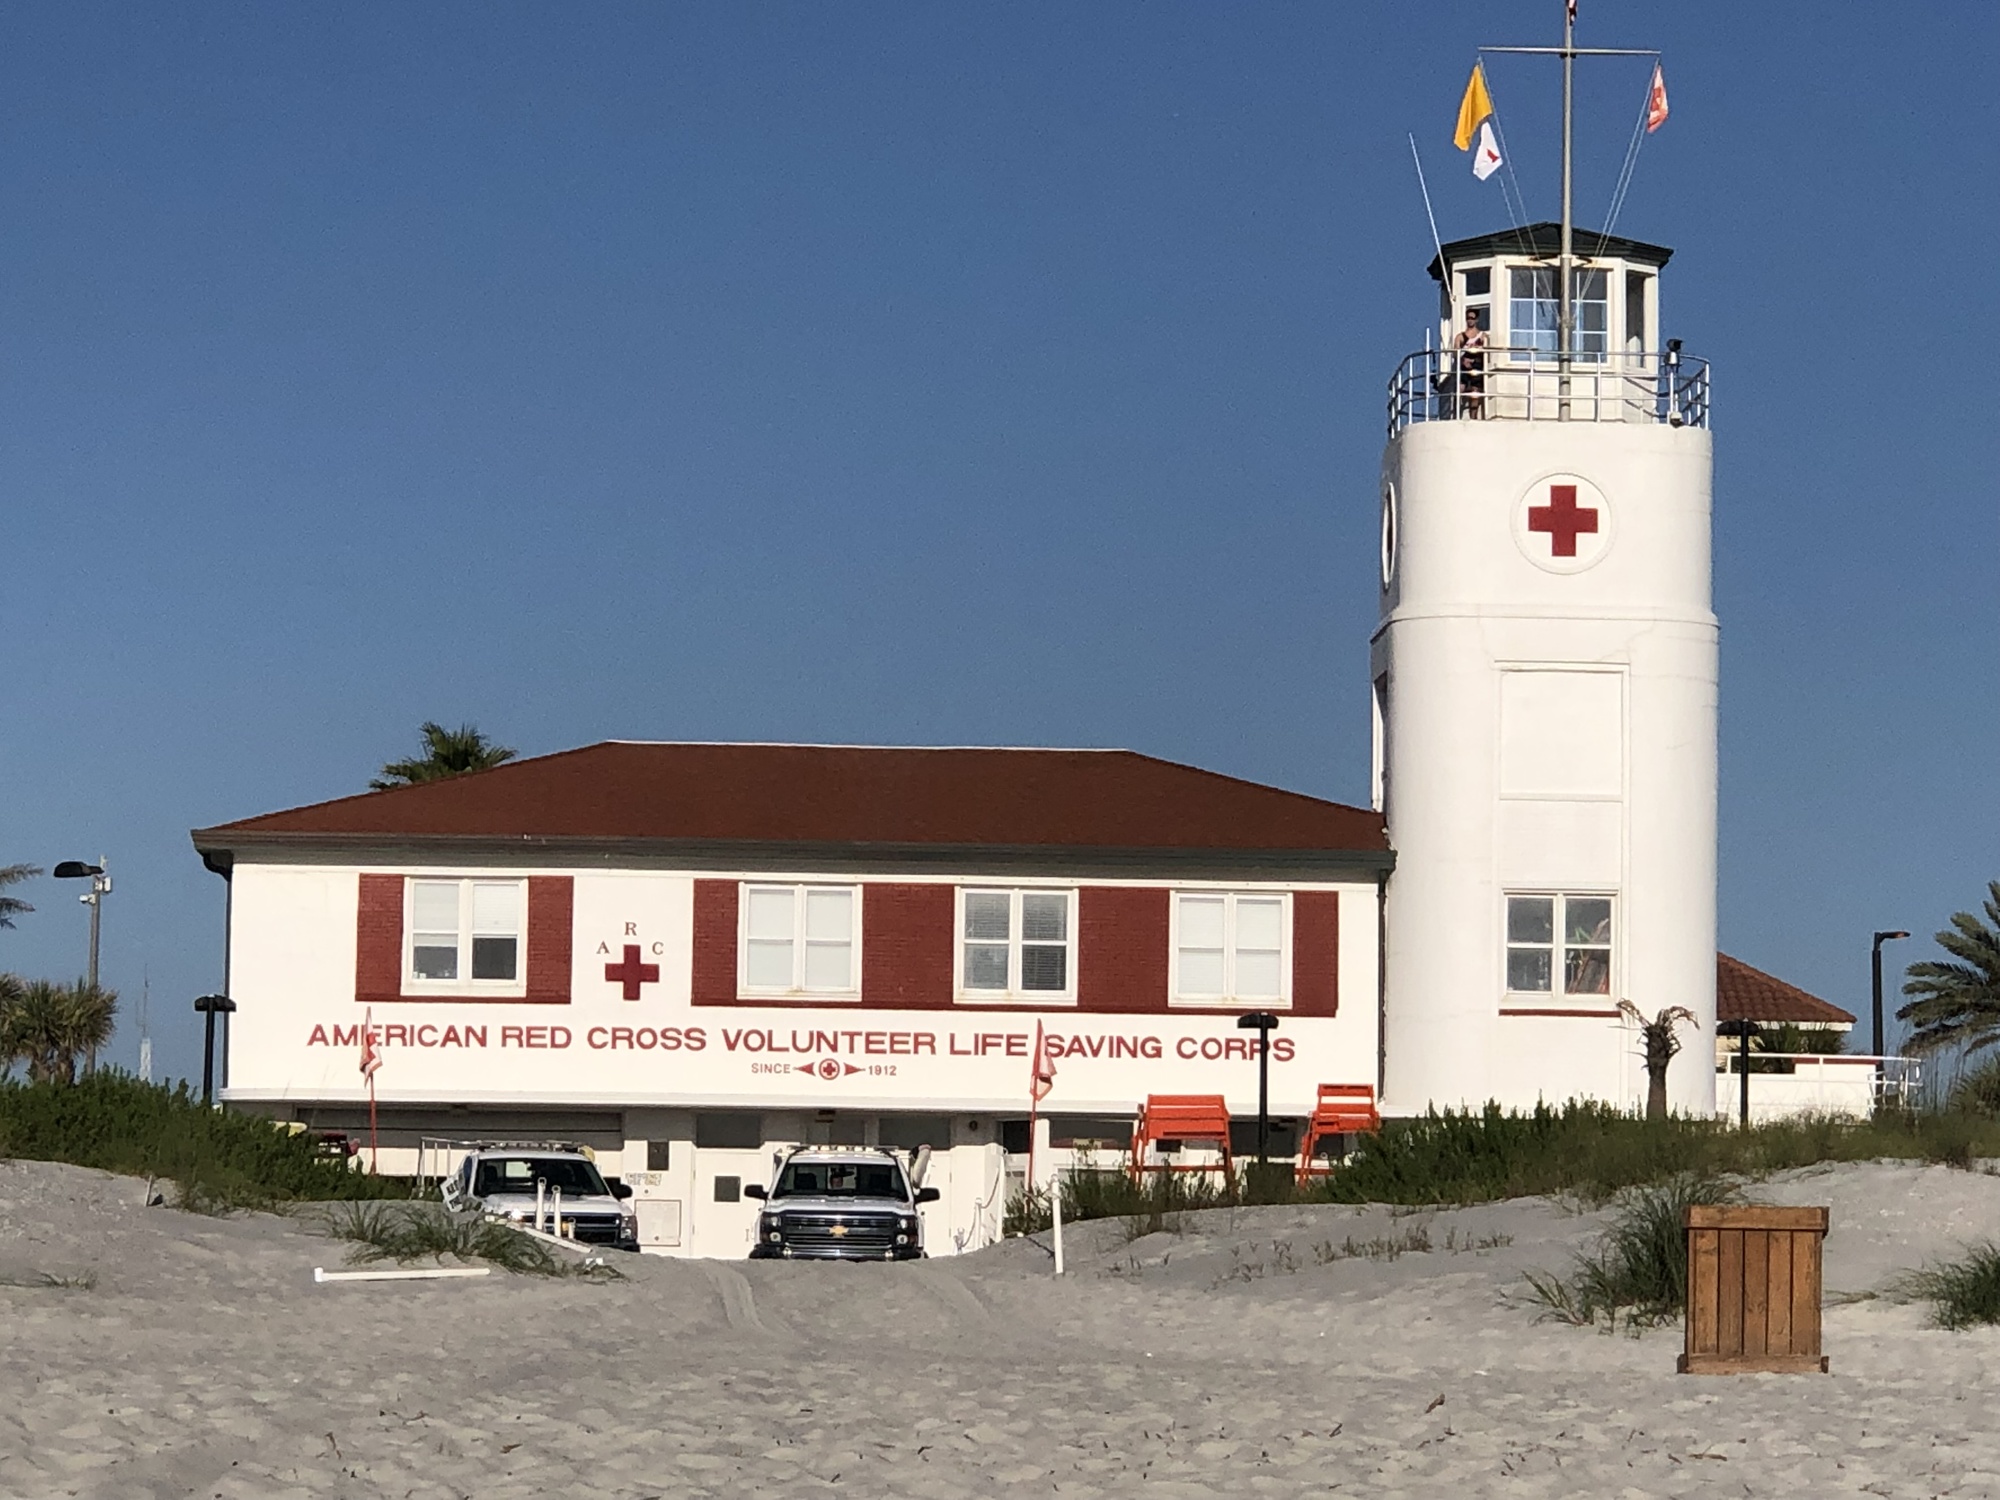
(1963, 1293)
(1639, 1267)
(1593, 1152)
(405, 1232)
(217, 1160)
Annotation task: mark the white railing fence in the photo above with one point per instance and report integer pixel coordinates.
(1510, 384)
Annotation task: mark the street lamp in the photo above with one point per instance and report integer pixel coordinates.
(210, 1006)
(1745, 1030)
(1263, 1023)
(100, 887)
(1875, 964)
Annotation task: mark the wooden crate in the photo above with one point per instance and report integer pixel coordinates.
(1753, 1290)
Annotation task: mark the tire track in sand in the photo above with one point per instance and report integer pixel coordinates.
(956, 1296)
(739, 1303)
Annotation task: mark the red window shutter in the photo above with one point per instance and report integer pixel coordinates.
(714, 942)
(378, 940)
(1315, 953)
(551, 920)
(906, 946)
(1122, 937)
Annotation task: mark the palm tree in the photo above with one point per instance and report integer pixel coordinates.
(49, 1026)
(13, 906)
(1660, 1038)
(1957, 1003)
(447, 753)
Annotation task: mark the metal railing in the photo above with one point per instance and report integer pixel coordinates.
(1503, 383)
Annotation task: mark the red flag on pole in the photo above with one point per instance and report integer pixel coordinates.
(1042, 1075)
(1656, 101)
(371, 1064)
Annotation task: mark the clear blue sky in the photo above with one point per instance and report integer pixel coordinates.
(928, 374)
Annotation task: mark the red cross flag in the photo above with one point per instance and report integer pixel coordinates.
(1042, 1070)
(1656, 101)
(371, 1058)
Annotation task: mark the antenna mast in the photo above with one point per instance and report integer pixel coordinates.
(1569, 52)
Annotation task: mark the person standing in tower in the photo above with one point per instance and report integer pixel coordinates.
(1470, 346)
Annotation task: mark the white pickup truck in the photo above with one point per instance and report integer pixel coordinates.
(513, 1182)
(840, 1204)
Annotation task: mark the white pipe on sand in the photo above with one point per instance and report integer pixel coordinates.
(434, 1273)
(1055, 1203)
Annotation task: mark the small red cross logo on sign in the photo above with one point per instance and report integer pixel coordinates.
(632, 973)
(1562, 519)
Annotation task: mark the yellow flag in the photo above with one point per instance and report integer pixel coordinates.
(1474, 107)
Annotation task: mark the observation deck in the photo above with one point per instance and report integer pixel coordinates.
(1517, 384)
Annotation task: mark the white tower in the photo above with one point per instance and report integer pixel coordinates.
(1545, 688)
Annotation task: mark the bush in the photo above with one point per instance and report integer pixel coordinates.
(1594, 1151)
(219, 1161)
(1640, 1265)
(1963, 1293)
(1976, 1091)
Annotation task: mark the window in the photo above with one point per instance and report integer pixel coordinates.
(1533, 302)
(799, 940)
(1559, 945)
(465, 933)
(1229, 948)
(729, 1132)
(1016, 945)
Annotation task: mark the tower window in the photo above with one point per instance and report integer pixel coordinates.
(1534, 301)
(1559, 945)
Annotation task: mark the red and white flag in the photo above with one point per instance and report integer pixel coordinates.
(1656, 101)
(1042, 1070)
(371, 1057)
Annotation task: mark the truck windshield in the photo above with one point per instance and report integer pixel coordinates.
(842, 1179)
(517, 1174)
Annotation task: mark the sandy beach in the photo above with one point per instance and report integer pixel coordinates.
(1249, 1354)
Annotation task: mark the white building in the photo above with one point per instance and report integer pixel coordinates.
(1545, 686)
(689, 956)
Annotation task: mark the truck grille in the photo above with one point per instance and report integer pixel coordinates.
(593, 1231)
(830, 1234)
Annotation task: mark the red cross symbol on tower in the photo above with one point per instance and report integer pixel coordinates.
(1562, 519)
(632, 973)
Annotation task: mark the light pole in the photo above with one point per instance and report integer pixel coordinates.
(209, 1007)
(100, 887)
(1875, 965)
(1743, 1030)
(1263, 1023)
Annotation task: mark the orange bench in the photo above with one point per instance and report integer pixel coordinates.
(1343, 1109)
(1200, 1118)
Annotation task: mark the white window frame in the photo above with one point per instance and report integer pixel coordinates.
(1557, 948)
(797, 990)
(1229, 1000)
(465, 984)
(1013, 994)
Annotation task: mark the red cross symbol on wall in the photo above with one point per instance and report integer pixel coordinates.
(632, 973)
(1562, 519)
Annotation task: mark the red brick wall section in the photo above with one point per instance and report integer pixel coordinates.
(378, 940)
(714, 942)
(1315, 953)
(378, 945)
(906, 946)
(1121, 949)
(551, 920)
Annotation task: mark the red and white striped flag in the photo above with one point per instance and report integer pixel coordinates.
(371, 1057)
(1656, 101)
(1042, 1070)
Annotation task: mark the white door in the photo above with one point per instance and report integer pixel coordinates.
(721, 1221)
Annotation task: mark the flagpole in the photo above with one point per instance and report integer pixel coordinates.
(1034, 1106)
(374, 1145)
(1566, 314)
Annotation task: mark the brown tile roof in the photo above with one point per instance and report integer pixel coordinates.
(830, 794)
(1746, 994)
